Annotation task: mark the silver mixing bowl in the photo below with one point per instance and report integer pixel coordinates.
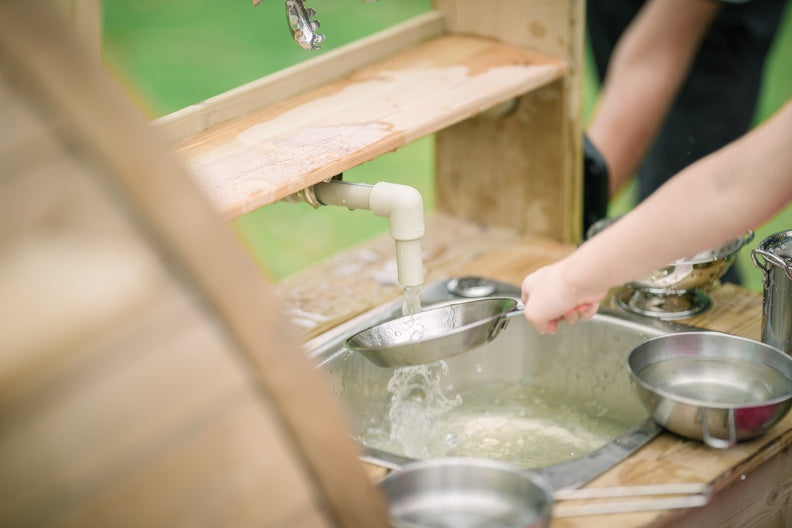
(710, 386)
(678, 290)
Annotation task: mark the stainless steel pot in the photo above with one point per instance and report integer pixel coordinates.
(713, 387)
(774, 258)
(434, 334)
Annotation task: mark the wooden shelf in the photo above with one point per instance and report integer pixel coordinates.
(276, 150)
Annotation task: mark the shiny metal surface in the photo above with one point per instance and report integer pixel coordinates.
(471, 287)
(466, 493)
(774, 258)
(677, 291)
(433, 334)
(302, 24)
(580, 364)
(469, 492)
(713, 387)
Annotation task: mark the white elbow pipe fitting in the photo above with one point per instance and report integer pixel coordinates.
(401, 204)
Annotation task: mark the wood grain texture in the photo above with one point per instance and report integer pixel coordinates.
(112, 375)
(285, 84)
(130, 419)
(549, 26)
(278, 150)
(523, 171)
(85, 17)
(759, 499)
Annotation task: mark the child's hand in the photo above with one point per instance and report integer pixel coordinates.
(549, 299)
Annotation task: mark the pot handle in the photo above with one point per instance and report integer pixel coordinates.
(770, 258)
(714, 441)
(503, 321)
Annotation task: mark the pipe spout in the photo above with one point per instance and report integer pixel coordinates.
(401, 204)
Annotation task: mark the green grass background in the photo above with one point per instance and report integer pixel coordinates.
(176, 53)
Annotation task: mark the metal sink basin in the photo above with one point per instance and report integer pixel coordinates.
(561, 406)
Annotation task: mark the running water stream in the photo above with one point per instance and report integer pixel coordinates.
(412, 300)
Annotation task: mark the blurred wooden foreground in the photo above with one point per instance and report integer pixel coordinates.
(146, 377)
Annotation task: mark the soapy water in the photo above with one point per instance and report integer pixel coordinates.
(508, 421)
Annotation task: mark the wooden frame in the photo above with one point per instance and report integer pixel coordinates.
(238, 143)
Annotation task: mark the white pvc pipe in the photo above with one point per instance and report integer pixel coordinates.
(401, 204)
(344, 194)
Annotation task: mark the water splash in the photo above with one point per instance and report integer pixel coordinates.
(417, 402)
(508, 421)
(412, 300)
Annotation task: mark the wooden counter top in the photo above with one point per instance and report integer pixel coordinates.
(752, 483)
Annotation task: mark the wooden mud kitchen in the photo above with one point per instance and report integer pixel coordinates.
(150, 376)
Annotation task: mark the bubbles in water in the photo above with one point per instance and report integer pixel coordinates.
(507, 421)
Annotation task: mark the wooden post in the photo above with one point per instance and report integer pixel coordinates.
(523, 170)
(166, 389)
(85, 16)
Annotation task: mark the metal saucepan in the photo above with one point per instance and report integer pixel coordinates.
(713, 387)
(477, 493)
(434, 334)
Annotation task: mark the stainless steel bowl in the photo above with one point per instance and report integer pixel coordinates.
(678, 290)
(434, 334)
(713, 387)
(460, 493)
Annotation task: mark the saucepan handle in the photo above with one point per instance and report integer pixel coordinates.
(503, 321)
(769, 258)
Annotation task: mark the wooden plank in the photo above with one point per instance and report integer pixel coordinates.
(757, 499)
(104, 353)
(549, 26)
(530, 175)
(309, 75)
(85, 17)
(153, 190)
(278, 150)
(132, 405)
(520, 179)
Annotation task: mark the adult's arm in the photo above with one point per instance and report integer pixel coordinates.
(648, 66)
